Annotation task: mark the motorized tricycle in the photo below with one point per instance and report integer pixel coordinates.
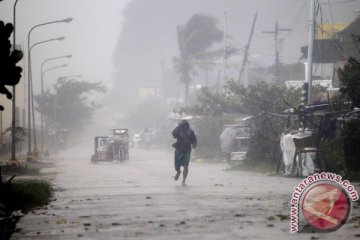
(110, 148)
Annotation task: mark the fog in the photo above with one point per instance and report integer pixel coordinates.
(148, 37)
(130, 45)
(90, 38)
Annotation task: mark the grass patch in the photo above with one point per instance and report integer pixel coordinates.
(33, 171)
(25, 195)
(27, 170)
(21, 195)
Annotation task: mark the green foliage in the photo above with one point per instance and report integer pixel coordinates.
(260, 98)
(27, 170)
(350, 77)
(208, 130)
(351, 136)
(69, 107)
(341, 154)
(333, 155)
(20, 133)
(25, 195)
(10, 74)
(209, 104)
(350, 80)
(198, 35)
(263, 101)
(194, 40)
(254, 100)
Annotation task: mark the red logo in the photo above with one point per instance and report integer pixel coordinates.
(326, 207)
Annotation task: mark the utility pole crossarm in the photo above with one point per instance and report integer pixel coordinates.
(277, 58)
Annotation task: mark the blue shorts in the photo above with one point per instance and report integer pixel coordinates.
(181, 159)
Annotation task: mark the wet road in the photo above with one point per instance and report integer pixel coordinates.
(139, 199)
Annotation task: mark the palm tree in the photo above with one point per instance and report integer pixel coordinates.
(20, 135)
(195, 40)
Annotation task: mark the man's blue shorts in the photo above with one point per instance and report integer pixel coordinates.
(181, 159)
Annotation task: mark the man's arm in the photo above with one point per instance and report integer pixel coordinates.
(175, 132)
(193, 139)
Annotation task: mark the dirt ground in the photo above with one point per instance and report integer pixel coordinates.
(139, 199)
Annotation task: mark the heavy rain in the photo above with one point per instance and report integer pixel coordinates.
(179, 119)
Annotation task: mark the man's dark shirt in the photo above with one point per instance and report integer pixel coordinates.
(185, 137)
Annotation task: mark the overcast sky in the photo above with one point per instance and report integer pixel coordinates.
(91, 36)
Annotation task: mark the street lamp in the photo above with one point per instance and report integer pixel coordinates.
(71, 76)
(43, 71)
(46, 70)
(30, 96)
(66, 20)
(42, 93)
(49, 40)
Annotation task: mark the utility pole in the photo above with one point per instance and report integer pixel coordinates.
(218, 81)
(225, 47)
(246, 53)
(310, 49)
(277, 58)
(1, 127)
(162, 84)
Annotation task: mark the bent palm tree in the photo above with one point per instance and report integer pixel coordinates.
(194, 40)
(20, 134)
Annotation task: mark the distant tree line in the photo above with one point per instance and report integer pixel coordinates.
(68, 106)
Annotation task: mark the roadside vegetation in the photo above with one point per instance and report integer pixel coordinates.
(267, 103)
(24, 195)
(18, 197)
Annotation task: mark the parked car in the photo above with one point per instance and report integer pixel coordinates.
(234, 142)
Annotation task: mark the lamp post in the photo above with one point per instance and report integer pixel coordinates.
(13, 114)
(30, 96)
(66, 20)
(42, 93)
(42, 80)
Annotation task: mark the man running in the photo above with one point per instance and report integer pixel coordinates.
(185, 140)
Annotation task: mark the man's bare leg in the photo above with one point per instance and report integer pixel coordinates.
(177, 175)
(185, 173)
